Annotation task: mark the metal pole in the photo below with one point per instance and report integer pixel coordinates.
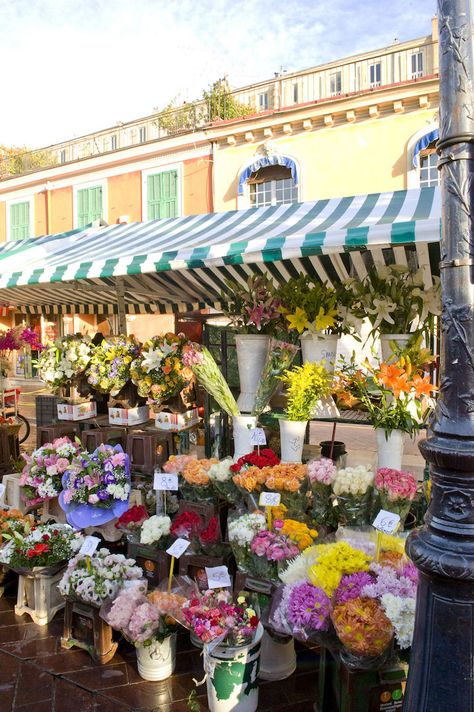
(122, 318)
(441, 676)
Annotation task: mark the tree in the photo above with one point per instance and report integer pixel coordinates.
(15, 160)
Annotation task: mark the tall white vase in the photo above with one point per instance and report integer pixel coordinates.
(390, 449)
(400, 339)
(252, 350)
(292, 434)
(277, 658)
(316, 347)
(241, 427)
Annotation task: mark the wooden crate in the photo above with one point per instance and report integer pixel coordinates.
(154, 563)
(194, 565)
(148, 450)
(48, 433)
(85, 629)
(92, 438)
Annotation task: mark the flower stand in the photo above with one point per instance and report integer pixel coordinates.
(157, 661)
(107, 531)
(232, 676)
(277, 656)
(53, 512)
(154, 563)
(38, 596)
(84, 628)
(252, 352)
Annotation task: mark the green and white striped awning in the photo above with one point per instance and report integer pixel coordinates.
(179, 264)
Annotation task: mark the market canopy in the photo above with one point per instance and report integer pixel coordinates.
(180, 264)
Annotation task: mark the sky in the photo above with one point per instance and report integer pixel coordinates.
(68, 68)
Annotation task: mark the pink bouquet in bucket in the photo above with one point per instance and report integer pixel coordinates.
(213, 616)
(396, 490)
(42, 474)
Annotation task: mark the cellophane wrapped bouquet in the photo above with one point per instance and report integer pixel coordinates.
(214, 616)
(42, 474)
(94, 579)
(220, 475)
(64, 360)
(396, 491)
(130, 522)
(242, 530)
(155, 530)
(205, 536)
(353, 488)
(289, 480)
(11, 521)
(194, 483)
(321, 475)
(201, 362)
(45, 545)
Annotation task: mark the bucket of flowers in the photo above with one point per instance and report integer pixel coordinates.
(231, 633)
(96, 487)
(41, 477)
(130, 522)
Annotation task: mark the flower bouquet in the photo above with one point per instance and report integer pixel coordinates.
(205, 537)
(158, 372)
(353, 488)
(279, 358)
(96, 487)
(156, 531)
(195, 484)
(220, 475)
(321, 475)
(396, 491)
(270, 549)
(11, 521)
(42, 474)
(301, 610)
(64, 360)
(242, 530)
(42, 549)
(213, 616)
(265, 458)
(110, 364)
(94, 579)
(253, 308)
(291, 481)
(202, 364)
(131, 521)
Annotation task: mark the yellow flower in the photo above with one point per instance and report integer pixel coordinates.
(298, 320)
(323, 320)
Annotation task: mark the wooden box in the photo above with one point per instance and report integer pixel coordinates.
(84, 628)
(48, 433)
(194, 565)
(154, 563)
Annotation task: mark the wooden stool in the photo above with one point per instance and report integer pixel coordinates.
(84, 628)
(48, 433)
(91, 439)
(147, 450)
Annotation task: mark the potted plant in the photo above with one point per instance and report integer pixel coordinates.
(305, 386)
(395, 302)
(254, 313)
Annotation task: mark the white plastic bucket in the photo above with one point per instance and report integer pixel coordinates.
(157, 661)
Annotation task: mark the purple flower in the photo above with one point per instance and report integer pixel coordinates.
(351, 586)
(78, 482)
(388, 580)
(103, 495)
(309, 607)
(109, 479)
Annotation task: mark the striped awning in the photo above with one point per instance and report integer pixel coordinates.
(179, 264)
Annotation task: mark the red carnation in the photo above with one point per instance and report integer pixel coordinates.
(211, 533)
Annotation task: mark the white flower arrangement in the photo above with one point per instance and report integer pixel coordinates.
(64, 359)
(154, 528)
(221, 472)
(353, 480)
(99, 577)
(243, 529)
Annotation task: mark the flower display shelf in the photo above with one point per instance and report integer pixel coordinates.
(194, 565)
(92, 438)
(85, 629)
(38, 596)
(48, 433)
(154, 563)
(344, 690)
(11, 497)
(146, 450)
(52, 511)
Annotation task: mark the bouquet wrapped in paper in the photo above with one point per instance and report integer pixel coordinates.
(279, 358)
(201, 362)
(220, 475)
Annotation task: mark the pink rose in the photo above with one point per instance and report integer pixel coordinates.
(62, 464)
(93, 499)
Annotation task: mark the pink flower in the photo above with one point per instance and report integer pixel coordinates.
(118, 459)
(68, 494)
(62, 464)
(323, 470)
(92, 499)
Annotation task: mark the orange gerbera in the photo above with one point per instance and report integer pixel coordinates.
(422, 386)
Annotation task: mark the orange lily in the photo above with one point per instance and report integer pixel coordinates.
(422, 386)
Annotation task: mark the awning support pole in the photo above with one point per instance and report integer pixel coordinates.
(122, 319)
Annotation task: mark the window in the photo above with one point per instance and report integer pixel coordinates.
(417, 65)
(162, 195)
(62, 156)
(429, 174)
(272, 186)
(375, 74)
(113, 142)
(336, 83)
(89, 205)
(142, 134)
(20, 220)
(295, 93)
(263, 101)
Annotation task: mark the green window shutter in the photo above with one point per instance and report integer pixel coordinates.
(20, 221)
(162, 195)
(89, 205)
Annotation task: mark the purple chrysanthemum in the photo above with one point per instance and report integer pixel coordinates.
(351, 586)
(309, 607)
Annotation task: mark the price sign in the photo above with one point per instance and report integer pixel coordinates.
(178, 548)
(386, 522)
(257, 436)
(2, 489)
(218, 577)
(89, 546)
(165, 481)
(269, 499)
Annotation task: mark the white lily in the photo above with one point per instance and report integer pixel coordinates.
(382, 308)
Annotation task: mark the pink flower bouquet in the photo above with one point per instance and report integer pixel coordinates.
(396, 491)
(44, 468)
(213, 615)
(321, 474)
(269, 549)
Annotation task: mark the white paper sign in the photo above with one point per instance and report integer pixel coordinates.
(165, 481)
(178, 548)
(2, 489)
(257, 436)
(386, 522)
(89, 546)
(218, 577)
(269, 499)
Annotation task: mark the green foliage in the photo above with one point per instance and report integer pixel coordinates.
(221, 104)
(306, 385)
(20, 159)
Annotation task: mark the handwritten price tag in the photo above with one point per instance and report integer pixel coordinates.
(178, 548)
(89, 546)
(165, 481)
(218, 577)
(257, 436)
(386, 522)
(269, 499)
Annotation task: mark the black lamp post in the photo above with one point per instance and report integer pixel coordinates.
(441, 677)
